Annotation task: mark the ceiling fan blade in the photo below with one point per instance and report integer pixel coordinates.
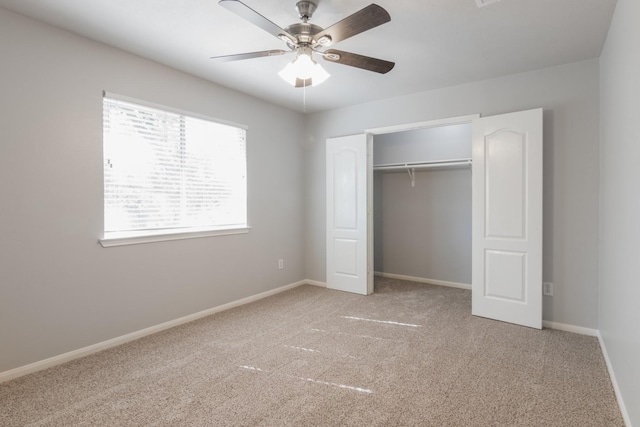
(244, 11)
(363, 20)
(360, 61)
(249, 55)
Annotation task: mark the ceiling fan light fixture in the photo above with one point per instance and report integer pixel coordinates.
(304, 68)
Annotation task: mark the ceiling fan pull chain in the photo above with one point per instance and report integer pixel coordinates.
(304, 96)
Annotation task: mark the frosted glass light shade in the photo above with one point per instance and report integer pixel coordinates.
(303, 68)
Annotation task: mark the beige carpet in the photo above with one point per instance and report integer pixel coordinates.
(411, 354)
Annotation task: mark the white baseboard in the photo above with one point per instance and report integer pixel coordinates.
(315, 283)
(423, 280)
(570, 328)
(85, 351)
(595, 333)
(614, 382)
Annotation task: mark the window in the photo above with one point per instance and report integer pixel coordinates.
(170, 173)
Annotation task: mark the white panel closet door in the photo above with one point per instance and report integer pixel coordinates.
(347, 215)
(507, 218)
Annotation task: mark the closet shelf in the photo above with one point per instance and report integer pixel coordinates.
(411, 167)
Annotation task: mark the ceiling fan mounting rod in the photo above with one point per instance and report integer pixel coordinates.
(305, 9)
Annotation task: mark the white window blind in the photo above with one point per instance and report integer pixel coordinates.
(167, 172)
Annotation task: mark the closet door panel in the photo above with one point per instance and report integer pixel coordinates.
(347, 244)
(505, 179)
(507, 218)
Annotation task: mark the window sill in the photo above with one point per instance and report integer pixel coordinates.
(137, 238)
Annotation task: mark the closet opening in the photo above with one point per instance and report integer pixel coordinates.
(453, 226)
(422, 211)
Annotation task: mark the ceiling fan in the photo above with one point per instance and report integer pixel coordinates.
(304, 39)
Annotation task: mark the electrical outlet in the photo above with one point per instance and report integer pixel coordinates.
(280, 264)
(547, 289)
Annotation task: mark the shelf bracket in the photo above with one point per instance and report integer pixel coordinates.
(412, 175)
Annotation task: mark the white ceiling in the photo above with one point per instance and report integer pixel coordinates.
(434, 43)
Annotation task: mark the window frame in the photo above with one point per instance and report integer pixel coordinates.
(112, 239)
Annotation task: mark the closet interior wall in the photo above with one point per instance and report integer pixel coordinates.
(423, 230)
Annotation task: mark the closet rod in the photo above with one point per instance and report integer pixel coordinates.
(423, 165)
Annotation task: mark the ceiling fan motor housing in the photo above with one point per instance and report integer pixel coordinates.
(303, 31)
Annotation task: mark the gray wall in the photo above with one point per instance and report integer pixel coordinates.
(620, 201)
(423, 145)
(59, 289)
(423, 231)
(569, 95)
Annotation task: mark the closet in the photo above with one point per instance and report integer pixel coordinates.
(422, 196)
(408, 205)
